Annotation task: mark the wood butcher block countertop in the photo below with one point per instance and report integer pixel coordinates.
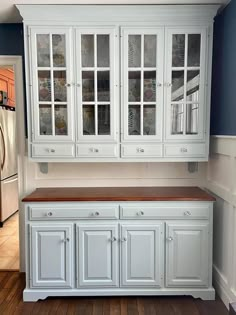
(119, 194)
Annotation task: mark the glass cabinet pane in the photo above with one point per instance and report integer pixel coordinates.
(43, 50)
(104, 119)
(150, 50)
(103, 86)
(134, 120)
(59, 50)
(103, 51)
(134, 52)
(149, 119)
(193, 81)
(149, 86)
(134, 86)
(192, 119)
(60, 113)
(87, 50)
(88, 120)
(44, 86)
(45, 119)
(88, 86)
(178, 50)
(177, 88)
(60, 86)
(194, 48)
(177, 119)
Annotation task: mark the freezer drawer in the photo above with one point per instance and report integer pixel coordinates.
(9, 197)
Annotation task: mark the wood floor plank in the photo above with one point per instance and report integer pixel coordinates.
(11, 303)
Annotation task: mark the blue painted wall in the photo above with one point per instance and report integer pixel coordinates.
(11, 39)
(223, 104)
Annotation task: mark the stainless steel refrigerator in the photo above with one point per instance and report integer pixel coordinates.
(8, 164)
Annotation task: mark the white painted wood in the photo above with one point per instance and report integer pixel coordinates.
(97, 255)
(53, 150)
(187, 248)
(81, 210)
(185, 150)
(140, 150)
(51, 255)
(141, 255)
(221, 181)
(97, 150)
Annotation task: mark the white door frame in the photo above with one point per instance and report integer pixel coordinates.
(16, 62)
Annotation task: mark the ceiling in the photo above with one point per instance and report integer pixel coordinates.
(9, 13)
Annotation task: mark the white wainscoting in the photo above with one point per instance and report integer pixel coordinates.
(221, 180)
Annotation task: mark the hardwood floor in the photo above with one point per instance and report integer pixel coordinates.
(13, 283)
(9, 244)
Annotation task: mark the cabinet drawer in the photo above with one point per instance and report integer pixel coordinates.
(141, 151)
(53, 150)
(158, 212)
(97, 150)
(187, 150)
(63, 213)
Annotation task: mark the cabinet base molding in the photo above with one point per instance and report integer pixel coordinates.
(33, 295)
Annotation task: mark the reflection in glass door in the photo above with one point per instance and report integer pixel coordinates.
(52, 83)
(143, 70)
(185, 89)
(95, 66)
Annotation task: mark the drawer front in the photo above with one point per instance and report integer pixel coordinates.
(63, 213)
(141, 151)
(188, 150)
(185, 212)
(97, 150)
(53, 150)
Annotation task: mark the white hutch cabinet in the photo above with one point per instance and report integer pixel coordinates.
(118, 83)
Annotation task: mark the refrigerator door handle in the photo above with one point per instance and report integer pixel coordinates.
(8, 181)
(4, 148)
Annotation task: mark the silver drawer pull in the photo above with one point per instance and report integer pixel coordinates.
(68, 85)
(187, 213)
(170, 238)
(94, 150)
(123, 239)
(113, 239)
(97, 213)
(66, 240)
(140, 150)
(184, 150)
(140, 213)
(49, 214)
(159, 84)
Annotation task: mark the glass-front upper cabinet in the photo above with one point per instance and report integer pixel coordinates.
(51, 84)
(97, 61)
(142, 83)
(185, 78)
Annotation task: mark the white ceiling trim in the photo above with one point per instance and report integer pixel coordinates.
(9, 13)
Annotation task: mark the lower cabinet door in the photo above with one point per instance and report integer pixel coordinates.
(142, 255)
(51, 255)
(187, 252)
(97, 255)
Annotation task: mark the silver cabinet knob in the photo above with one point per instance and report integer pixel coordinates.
(97, 213)
(113, 239)
(168, 84)
(141, 150)
(183, 150)
(94, 150)
(68, 85)
(123, 239)
(66, 240)
(170, 238)
(140, 213)
(52, 150)
(49, 214)
(159, 84)
(187, 213)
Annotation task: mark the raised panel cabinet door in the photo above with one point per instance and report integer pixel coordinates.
(142, 83)
(52, 84)
(51, 255)
(142, 256)
(97, 255)
(97, 90)
(185, 81)
(187, 254)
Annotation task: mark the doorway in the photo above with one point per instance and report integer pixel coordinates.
(12, 165)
